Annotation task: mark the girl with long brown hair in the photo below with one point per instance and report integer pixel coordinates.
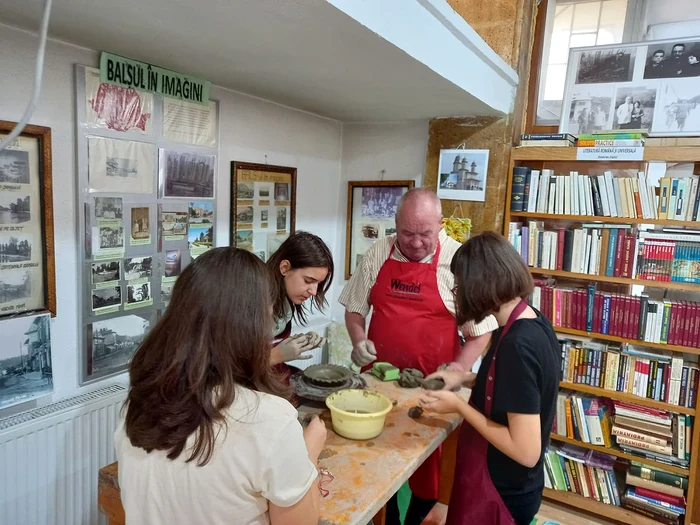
(207, 435)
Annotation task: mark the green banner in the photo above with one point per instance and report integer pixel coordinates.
(129, 73)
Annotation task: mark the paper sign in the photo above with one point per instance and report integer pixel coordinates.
(610, 153)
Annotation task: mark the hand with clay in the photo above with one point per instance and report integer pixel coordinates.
(454, 380)
(364, 353)
(294, 347)
(315, 340)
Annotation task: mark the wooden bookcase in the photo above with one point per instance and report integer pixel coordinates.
(563, 160)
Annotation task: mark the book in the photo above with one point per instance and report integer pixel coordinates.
(653, 485)
(518, 188)
(667, 478)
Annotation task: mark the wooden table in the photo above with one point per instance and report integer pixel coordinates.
(367, 473)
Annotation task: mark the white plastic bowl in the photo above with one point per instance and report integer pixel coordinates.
(358, 414)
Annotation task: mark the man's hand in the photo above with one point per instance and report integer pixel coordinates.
(454, 380)
(441, 402)
(364, 353)
(293, 347)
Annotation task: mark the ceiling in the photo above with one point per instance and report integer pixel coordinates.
(306, 54)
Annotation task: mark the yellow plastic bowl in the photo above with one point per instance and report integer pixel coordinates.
(358, 414)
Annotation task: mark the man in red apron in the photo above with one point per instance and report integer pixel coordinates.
(406, 280)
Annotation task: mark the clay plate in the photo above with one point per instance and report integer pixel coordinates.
(327, 375)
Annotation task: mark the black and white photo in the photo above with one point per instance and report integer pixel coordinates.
(263, 190)
(187, 174)
(601, 66)
(591, 109)
(120, 166)
(15, 286)
(678, 107)
(111, 237)
(14, 166)
(106, 297)
(15, 208)
(263, 215)
(105, 272)
(109, 208)
(634, 107)
(166, 292)
(15, 247)
(245, 190)
(281, 218)
(462, 174)
(138, 293)
(138, 268)
(26, 370)
(282, 192)
(244, 214)
(678, 59)
(380, 202)
(113, 342)
(140, 223)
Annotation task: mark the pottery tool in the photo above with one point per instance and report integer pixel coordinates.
(385, 371)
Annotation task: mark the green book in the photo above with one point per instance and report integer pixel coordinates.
(666, 322)
(672, 480)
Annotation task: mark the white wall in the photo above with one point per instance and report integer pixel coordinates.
(250, 130)
(399, 148)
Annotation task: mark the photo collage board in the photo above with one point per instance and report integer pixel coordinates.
(648, 85)
(147, 179)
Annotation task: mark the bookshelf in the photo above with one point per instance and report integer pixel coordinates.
(562, 160)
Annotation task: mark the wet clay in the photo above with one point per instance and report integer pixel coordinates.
(433, 384)
(415, 412)
(327, 453)
(410, 378)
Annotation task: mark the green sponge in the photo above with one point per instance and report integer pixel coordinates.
(385, 371)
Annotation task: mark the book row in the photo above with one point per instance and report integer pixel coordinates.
(541, 191)
(625, 369)
(631, 317)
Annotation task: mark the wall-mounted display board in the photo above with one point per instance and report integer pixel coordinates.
(146, 184)
(27, 279)
(263, 206)
(647, 85)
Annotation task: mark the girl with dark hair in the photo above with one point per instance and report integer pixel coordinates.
(206, 435)
(499, 473)
(302, 269)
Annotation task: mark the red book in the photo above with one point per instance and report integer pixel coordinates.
(582, 309)
(619, 310)
(696, 331)
(636, 309)
(560, 248)
(569, 308)
(627, 307)
(627, 258)
(654, 255)
(686, 323)
(646, 255)
(550, 303)
(619, 249)
(597, 312)
(673, 500)
(574, 310)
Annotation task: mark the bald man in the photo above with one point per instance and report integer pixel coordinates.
(405, 279)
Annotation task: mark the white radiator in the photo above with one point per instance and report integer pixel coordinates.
(50, 458)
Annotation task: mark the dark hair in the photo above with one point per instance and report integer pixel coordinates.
(488, 272)
(659, 51)
(302, 250)
(215, 334)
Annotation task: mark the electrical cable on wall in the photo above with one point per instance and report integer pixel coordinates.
(38, 74)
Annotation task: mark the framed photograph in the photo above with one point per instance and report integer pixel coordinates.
(263, 206)
(25, 359)
(27, 265)
(652, 85)
(462, 174)
(371, 216)
(111, 343)
(120, 166)
(187, 174)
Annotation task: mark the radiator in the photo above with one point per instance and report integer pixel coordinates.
(50, 458)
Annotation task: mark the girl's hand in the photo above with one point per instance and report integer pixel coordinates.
(441, 402)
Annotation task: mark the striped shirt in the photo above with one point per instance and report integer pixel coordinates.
(355, 296)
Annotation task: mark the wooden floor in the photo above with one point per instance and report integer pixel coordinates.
(548, 512)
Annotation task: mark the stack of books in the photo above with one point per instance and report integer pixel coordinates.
(585, 472)
(655, 493)
(628, 138)
(668, 255)
(624, 368)
(584, 418)
(606, 195)
(652, 433)
(548, 139)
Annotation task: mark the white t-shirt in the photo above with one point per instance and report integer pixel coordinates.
(262, 457)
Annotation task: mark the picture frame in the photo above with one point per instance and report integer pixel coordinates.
(462, 174)
(652, 85)
(371, 216)
(27, 259)
(263, 206)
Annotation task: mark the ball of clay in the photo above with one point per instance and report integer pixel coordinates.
(409, 378)
(433, 384)
(415, 412)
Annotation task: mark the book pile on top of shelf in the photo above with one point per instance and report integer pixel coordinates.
(541, 191)
(645, 318)
(548, 139)
(611, 250)
(585, 472)
(655, 493)
(627, 138)
(626, 369)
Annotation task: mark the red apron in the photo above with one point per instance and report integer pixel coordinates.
(412, 328)
(474, 498)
